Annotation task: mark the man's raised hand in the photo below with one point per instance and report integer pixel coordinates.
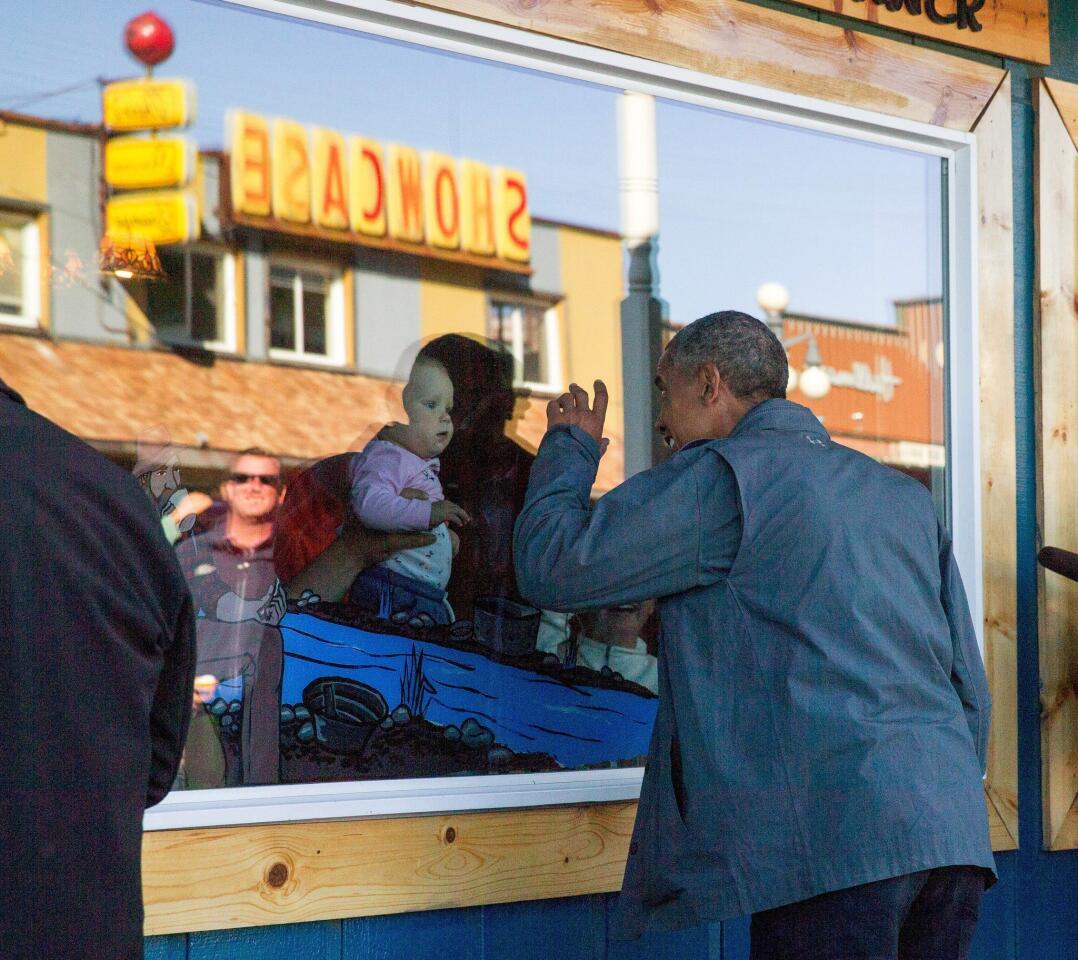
(573, 409)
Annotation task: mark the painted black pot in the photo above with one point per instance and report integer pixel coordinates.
(345, 712)
(506, 626)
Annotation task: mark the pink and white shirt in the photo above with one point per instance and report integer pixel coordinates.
(377, 477)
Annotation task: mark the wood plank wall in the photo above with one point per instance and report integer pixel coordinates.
(1057, 451)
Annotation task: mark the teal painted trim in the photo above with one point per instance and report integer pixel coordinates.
(309, 941)
(432, 935)
(572, 928)
(166, 948)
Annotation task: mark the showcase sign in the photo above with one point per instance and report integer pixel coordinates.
(301, 176)
(147, 104)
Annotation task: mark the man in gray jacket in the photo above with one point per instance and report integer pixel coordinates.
(818, 753)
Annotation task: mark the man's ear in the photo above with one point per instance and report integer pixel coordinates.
(708, 381)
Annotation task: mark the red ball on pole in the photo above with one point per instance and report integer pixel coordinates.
(149, 38)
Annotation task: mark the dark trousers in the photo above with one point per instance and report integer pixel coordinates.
(928, 915)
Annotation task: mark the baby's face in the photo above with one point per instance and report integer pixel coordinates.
(428, 401)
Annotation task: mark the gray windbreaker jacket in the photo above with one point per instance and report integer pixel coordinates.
(823, 717)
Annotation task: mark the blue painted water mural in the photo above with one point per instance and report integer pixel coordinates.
(527, 712)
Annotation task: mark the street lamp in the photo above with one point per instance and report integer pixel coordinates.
(814, 381)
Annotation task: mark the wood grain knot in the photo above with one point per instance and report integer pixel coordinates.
(278, 875)
(449, 835)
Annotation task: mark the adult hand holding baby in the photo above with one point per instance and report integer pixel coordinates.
(573, 409)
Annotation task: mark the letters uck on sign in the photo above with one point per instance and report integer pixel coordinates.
(963, 13)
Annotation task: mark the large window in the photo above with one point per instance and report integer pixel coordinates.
(196, 301)
(306, 307)
(481, 212)
(20, 270)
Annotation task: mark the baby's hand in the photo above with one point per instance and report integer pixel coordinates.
(445, 511)
(455, 540)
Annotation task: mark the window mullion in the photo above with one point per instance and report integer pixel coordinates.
(297, 311)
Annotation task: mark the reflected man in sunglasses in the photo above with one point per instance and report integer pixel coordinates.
(238, 603)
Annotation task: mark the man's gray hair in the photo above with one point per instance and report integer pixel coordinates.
(749, 357)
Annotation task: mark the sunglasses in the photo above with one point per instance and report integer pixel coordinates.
(266, 479)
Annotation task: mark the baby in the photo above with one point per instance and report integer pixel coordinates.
(394, 486)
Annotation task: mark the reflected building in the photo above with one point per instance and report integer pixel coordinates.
(887, 385)
(887, 396)
(267, 332)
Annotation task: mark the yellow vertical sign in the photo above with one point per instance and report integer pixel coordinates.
(132, 163)
(169, 216)
(147, 104)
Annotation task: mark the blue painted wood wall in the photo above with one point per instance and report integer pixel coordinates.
(1031, 914)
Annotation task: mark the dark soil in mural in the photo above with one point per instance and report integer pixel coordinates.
(402, 746)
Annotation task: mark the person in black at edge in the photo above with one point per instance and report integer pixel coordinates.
(482, 470)
(97, 657)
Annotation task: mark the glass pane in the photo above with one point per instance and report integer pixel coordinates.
(314, 314)
(534, 359)
(428, 661)
(500, 324)
(207, 296)
(167, 298)
(282, 310)
(11, 263)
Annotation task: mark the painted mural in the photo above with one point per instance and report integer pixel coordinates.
(361, 619)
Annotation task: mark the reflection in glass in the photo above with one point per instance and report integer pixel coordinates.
(188, 304)
(514, 294)
(312, 295)
(527, 331)
(847, 271)
(282, 309)
(19, 278)
(298, 311)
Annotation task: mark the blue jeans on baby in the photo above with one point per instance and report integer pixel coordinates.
(385, 593)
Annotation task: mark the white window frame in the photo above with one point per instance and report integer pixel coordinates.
(551, 337)
(30, 314)
(457, 34)
(228, 323)
(335, 312)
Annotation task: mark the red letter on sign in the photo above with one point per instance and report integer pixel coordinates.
(405, 195)
(521, 239)
(446, 185)
(514, 220)
(329, 171)
(375, 211)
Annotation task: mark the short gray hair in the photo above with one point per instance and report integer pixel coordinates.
(749, 357)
